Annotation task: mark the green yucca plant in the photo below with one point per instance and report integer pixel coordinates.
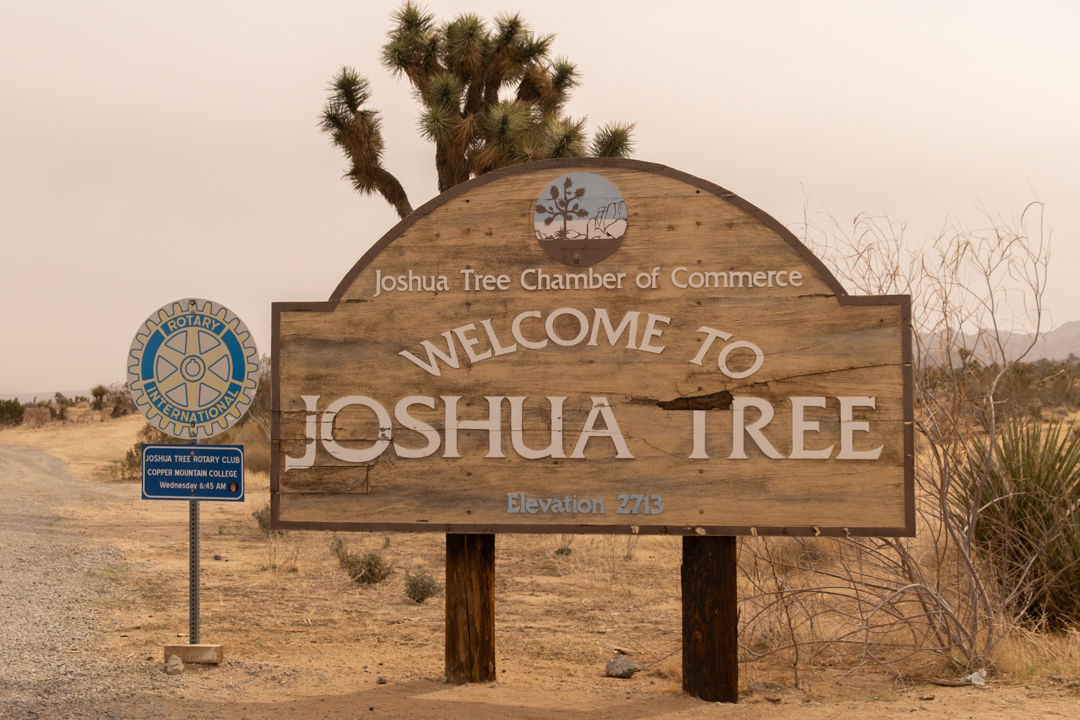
(1026, 488)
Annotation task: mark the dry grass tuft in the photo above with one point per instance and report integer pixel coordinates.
(1026, 655)
(667, 669)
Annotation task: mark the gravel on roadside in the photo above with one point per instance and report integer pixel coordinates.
(51, 594)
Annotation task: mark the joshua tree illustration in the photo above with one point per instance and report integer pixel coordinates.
(562, 207)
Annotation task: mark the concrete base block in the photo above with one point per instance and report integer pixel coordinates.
(202, 654)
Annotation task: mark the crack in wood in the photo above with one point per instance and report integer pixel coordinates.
(788, 378)
(722, 400)
(713, 401)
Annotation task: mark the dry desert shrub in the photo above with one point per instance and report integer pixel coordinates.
(130, 468)
(828, 601)
(262, 520)
(11, 412)
(35, 417)
(81, 413)
(365, 568)
(282, 555)
(949, 592)
(420, 586)
(117, 400)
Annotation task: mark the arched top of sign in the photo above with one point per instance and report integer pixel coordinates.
(607, 172)
(193, 368)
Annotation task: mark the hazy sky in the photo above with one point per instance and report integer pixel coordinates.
(153, 151)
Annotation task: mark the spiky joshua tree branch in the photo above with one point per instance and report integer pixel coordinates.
(490, 97)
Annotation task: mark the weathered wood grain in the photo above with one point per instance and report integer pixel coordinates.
(470, 608)
(813, 340)
(710, 619)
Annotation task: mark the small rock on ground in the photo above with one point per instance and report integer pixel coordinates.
(621, 666)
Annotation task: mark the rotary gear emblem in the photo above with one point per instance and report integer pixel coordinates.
(193, 369)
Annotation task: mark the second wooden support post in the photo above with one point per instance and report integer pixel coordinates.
(470, 608)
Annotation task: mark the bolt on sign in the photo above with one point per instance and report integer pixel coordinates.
(590, 345)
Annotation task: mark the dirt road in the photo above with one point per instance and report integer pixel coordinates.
(49, 592)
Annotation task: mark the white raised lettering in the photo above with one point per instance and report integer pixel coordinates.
(699, 437)
(600, 318)
(740, 429)
(310, 404)
(468, 342)
(759, 358)
(515, 328)
(848, 428)
(350, 454)
(493, 425)
(449, 357)
(601, 407)
(517, 429)
(495, 345)
(401, 414)
(799, 427)
(710, 335)
(651, 331)
(583, 326)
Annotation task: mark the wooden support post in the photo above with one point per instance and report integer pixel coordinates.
(710, 619)
(470, 608)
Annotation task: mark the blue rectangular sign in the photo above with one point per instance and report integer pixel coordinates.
(193, 472)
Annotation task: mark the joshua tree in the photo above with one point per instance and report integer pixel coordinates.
(98, 392)
(459, 70)
(561, 207)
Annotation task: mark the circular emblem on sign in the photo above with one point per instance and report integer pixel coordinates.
(192, 366)
(580, 219)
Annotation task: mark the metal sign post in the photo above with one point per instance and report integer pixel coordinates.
(193, 570)
(193, 565)
(193, 371)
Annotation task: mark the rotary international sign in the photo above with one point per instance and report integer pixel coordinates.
(193, 368)
(593, 346)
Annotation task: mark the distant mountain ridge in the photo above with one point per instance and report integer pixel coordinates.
(1058, 344)
(28, 396)
(1062, 341)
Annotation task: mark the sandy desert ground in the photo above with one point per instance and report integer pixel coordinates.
(303, 640)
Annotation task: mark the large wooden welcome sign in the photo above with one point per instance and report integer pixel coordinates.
(593, 346)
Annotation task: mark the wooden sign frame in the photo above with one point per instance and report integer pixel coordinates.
(832, 369)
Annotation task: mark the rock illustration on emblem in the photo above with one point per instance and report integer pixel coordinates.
(580, 219)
